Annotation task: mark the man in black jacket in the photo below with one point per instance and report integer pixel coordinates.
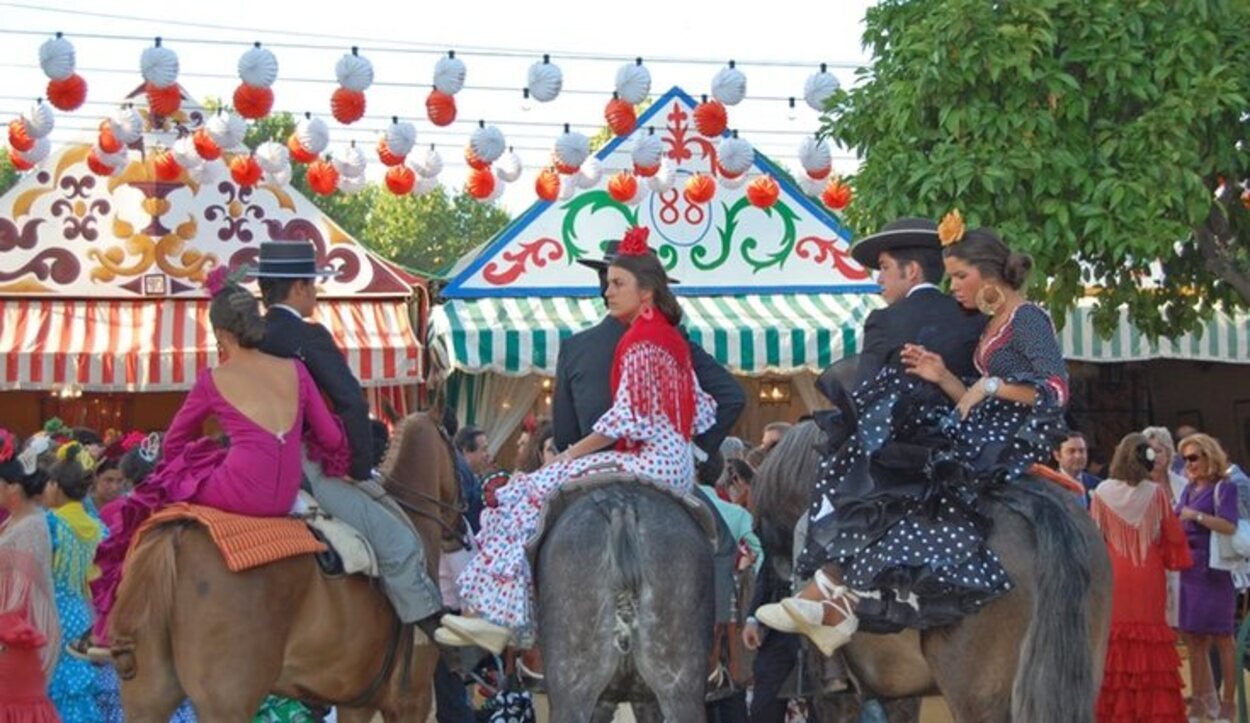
(288, 281)
(583, 368)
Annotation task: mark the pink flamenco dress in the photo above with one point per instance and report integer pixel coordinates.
(1142, 679)
(257, 474)
(657, 408)
(29, 633)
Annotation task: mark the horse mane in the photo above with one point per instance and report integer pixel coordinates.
(784, 481)
(398, 435)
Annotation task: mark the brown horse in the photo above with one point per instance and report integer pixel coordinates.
(186, 627)
(1034, 655)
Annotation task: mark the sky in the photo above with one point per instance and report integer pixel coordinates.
(498, 41)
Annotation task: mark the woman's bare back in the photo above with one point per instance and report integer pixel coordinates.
(264, 388)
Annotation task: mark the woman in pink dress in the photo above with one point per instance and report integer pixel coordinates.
(264, 405)
(657, 408)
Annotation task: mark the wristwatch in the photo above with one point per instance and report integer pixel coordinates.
(992, 385)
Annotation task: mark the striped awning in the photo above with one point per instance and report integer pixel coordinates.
(162, 344)
(774, 334)
(753, 335)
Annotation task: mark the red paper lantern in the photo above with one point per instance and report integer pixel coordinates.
(700, 189)
(623, 186)
(474, 162)
(763, 192)
(299, 153)
(347, 105)
(19, 139)
(323, 177)
(837, 195)
(93, 162)
(547, 185)
(441, 108)
(710, 118)
(67, 93)
(245, 170)
(166, 166)
(385, 155)
(400, 180)
(564, 168)
(205, 145)
(646, 171)
(620, 117)
(253, 102)
(20, 163)
(107, 139)
(480, 184)
(820, 174)
(164, 102)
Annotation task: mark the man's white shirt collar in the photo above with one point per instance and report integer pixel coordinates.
(918, 287)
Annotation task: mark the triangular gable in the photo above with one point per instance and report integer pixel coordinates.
(724, 247)
(66, 232)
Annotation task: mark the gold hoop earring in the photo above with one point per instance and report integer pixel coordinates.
(988, 306)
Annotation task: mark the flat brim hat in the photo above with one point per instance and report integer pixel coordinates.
(611, 250)
(904, 233)
(289, 260)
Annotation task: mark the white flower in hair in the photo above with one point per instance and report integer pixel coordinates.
(354, 71)
(56, 58)
(509, 167)
(159, 66)
(313, 134)
(40, 120)
(815, 155)
(488, 143)
(258, 67)
(226, 129)
(449, 74)
(633, 82)
(401, 137)
(429, 164)
(150, 448)
(545, 80)
(729, 85)
(350, 162)
(819, 87)
(647, 151)
(735, 155)
(272, 156)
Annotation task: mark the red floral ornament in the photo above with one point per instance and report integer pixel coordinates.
(299, 153)
(8, 445)
(635, 242)
(215, 282)
(67, 94)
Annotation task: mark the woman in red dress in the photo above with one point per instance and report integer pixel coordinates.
(1142, 681)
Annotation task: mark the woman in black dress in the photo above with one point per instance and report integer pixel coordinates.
(914, 554)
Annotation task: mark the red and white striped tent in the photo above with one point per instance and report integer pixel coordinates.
(101, 280)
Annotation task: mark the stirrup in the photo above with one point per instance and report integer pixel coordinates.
(838, 597)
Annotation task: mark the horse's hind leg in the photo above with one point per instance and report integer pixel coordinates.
(648, 712)
(154, 694)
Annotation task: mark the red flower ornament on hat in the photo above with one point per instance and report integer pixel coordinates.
(635, 242)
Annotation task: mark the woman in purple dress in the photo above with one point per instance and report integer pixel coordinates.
(1208, 599)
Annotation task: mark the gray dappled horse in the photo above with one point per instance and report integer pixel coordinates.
(623, 578)
(1034, 655)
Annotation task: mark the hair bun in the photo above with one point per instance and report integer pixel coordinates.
(1016, 270)
(235, 310)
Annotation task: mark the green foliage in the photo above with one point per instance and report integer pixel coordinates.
(8, 174)
(1092, 135)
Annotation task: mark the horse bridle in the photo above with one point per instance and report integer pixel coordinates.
(397, 492)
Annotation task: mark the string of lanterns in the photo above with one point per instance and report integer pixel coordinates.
(217, 145)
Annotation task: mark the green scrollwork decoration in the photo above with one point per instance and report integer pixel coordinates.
(699, 254)
(668, 256)
(788, 239)
(595, 201)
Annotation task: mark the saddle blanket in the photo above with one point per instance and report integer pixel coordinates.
(244, 542)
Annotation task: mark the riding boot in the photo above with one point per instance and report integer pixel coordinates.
(824, 612)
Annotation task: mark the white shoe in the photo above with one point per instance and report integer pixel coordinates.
(806, 617)
(450, 638)
(478, 631)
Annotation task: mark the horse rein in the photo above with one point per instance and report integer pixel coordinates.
(450, 531)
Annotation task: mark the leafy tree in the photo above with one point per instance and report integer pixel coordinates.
(9, 175)
(1105, 138)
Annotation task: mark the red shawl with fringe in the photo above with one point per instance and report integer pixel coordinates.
(660, 377)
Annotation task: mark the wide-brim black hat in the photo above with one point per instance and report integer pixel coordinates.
(289, 260)
(611, 250)
(904, 233)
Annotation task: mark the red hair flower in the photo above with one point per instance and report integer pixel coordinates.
(133, 439)
(635, 242)
(8, 445)
(215, 281)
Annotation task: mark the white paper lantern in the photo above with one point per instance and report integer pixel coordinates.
(39, 120)
(352, 184)
(56, 58)
(633, 82)
(500, 186)
(572, 148)
(488, 143)
(350, 161)
(313, 134)
(401, 137)
(159, 65)
(735, 182)
(735, 155)
(590, 173)
(424, 186)
(819, 87)
(809, 185)
(226, 129)
(208, 173)
(354, 72)
(37, 152)
(258, 67)
(664, 178)
(545, 80)
(127, 125)
(568, 187)
(815, 155)
(280, 177)
(189, 158)
(449, 73)
(509, 167)
(647, 151)
(729, 85)
(428, 164)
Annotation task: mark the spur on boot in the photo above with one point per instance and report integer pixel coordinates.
(477, 631)
(829, 622)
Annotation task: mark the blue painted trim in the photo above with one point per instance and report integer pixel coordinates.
(501, 240)
(593, 291)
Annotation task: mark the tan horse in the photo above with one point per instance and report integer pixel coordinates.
(186, 627)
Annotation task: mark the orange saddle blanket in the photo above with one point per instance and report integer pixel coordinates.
(245, 542)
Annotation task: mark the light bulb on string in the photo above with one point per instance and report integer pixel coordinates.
(526, 102)
(792, 112)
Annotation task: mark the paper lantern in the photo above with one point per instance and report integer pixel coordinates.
(258, 67)
(166, 166)
(734, 156)
(351, 185)
(763, 192)
(159, 66)
(354, 71)
(664, 177)
(67, 93)
(245, 170)
(633, 82)
(572, 149)
(487, 143)
(347, 105)
(400, 180)
(620, 117)
(710, 118)
(164, 102)
(564, 168)
(623, 186)
(646, 171)
(97, 166)
(186, 155)
(729, 85)
(547, 185)
(700, 189)
(107, 140)
(127, 125)
(819, 88)
(299, 154)
(40, 120)
(449, 74)
(401, 137)
(816, 157)
(589, 174)
(19, 138)
(206, 146)
(480, 184)
(323, 177)
(351, 162)
(837, 195)
(35, 155)
(472, 159)
(313, 134)
(441, 108)
(428, 164)
(226, 129)
(509, 167)
(21, 164)
(545, 80)
(386, 156)
(56, 58)
(252, 101)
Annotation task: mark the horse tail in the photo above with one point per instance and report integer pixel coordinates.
(626, 569)
(1054, 679)
(145, 596)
